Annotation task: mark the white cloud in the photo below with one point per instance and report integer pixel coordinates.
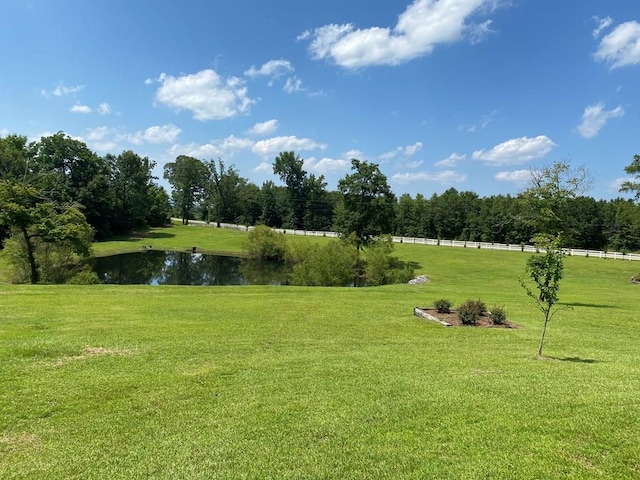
(156, 134)
(263, 167)
(275, 145)
(206, 94)
(516, 151)
(4, 132)
(264, 128)
(422, 26)
(78, 108)
(61, 90)
(603, 24)
(519, 177)
(617, 183)
(445, 177)
(451, 161)
(100, 139)
(327, 165)
(595, 117)
(293, 84)
(414, 164)
(406, 152)
(620, 47)
(226, 147)
(272, 68)
(359, 154)
(104, 109)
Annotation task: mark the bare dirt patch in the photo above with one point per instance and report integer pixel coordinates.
(88, 352)
(451, 319)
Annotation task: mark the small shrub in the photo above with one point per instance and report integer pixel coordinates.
(443, 305)
(265, 244)
(470, 312)
(498, 316)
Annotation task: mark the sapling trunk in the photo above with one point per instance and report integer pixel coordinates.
(544, 331)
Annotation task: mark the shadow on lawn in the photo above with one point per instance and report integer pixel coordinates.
(576, 360)
(588, 305)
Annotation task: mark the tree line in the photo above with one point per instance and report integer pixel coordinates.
(57, 192)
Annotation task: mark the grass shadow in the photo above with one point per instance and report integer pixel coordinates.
(588, 305)
(576, 360)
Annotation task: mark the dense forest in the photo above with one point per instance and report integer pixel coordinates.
(46, 184)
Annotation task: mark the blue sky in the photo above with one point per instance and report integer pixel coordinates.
(470, 94)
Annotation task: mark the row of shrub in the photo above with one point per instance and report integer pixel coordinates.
(336, 262)
(471, 312)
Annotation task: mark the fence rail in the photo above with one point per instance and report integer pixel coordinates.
(573, 252)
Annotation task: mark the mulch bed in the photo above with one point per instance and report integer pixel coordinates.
(451, 319)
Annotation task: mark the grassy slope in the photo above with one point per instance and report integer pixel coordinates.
(294, 382)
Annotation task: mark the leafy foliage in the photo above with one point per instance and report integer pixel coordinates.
(266, 244)
(443, 305)
(470, 312)
(498, 315)
(545, 270)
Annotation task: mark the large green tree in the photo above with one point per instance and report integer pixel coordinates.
(288, 166)
(367, 207)
(224, 192)
(189, 178)
(37, 221)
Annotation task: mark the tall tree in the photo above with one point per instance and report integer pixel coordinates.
(367, 207)
(288, 166)
(550, 188)
(189, 177)
(36, 220)
(131, 183)
(224, 192)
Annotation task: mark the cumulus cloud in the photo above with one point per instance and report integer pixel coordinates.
(264, 128)
(451, 161)
(104, 109)
(327, 165)
(61, 90)
(519, 177)
(275, 145)
(226, 147)
(595, 117)
(100, 139)
(516, 151)
(446, 177)
(272, 68)
(620, 47)
(206, 94)
(263, 167)
(156, 134)
(79, 108)
(420, 28)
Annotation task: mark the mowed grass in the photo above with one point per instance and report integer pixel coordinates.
(296, 382)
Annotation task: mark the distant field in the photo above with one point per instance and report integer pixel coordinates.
(298, 382)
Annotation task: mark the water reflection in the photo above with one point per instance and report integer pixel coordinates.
(178, 268)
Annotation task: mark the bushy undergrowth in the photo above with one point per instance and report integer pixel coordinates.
(264, 243)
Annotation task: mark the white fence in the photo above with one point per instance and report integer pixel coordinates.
(574, 252)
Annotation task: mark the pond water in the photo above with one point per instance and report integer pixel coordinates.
(178, 268)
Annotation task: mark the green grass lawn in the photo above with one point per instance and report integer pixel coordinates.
(297, 382)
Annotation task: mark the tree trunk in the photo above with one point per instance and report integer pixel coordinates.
(544, 331)
(30, 256)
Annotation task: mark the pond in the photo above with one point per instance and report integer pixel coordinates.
(178, 268)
